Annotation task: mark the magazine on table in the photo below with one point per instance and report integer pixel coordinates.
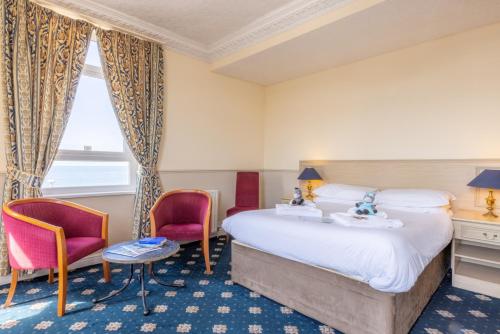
(141, 247)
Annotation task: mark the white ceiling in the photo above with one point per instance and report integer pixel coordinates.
(204, 21)
(221, 31)
(206, 29)
(386, 27)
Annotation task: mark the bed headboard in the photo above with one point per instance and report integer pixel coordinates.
(450, 175)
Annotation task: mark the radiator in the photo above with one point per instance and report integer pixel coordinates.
(214, 215)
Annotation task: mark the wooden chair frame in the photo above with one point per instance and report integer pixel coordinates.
(206, 221)
(62, 258)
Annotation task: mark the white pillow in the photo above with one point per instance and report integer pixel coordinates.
(437, 209)
(414, 198)
(330, 200)
(343, 191)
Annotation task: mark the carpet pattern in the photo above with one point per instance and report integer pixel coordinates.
(209, 304)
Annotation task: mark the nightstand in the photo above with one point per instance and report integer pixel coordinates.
(476, 253)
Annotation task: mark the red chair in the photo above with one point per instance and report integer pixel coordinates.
(183, 215)
(45, 233)
(247, 193)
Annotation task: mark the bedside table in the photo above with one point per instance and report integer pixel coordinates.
(475, 253)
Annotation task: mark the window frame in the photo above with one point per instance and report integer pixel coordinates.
(98, 156)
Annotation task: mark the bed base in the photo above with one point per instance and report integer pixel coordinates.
(336, 300)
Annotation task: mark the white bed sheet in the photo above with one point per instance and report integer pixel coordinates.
(388, 260)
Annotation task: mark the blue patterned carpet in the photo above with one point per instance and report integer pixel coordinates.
(210, 304)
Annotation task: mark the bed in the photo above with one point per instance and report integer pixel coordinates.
(376, 290)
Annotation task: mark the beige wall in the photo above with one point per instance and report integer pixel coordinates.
(277, 186)
(212, 121)
(440, 99)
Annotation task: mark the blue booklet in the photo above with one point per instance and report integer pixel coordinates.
(158, 241)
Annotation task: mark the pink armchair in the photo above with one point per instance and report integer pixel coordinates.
(247, 193)
(45, 233)
(183, 215)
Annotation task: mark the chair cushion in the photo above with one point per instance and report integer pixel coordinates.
(79, 247)
(238, 209)
(181, 232)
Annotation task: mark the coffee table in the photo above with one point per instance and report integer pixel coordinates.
(162, 253)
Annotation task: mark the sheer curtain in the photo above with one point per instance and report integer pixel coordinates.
(42, 57)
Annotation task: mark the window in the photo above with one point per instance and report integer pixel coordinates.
(93, 156)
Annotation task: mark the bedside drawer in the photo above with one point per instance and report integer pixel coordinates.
(478, 232)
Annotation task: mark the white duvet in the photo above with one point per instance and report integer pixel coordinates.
(387, 259)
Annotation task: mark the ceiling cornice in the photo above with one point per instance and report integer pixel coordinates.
(112, 17)
(275, 22)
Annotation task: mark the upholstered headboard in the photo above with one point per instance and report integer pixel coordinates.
(450, 175)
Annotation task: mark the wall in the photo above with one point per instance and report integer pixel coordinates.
(212, 121)
(438, 100)
(435, 100)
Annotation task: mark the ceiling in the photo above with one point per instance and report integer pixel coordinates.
(386, 27)
(205, 22)
(269, 41)
(206, 29)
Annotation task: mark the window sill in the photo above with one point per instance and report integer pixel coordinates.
(91, 194)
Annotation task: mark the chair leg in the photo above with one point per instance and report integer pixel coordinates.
(204, 245)
(51, 275)
(13, 284)
(63, 284)
(106, 271)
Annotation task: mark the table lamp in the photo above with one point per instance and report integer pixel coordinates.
(488, 179)
(309, 174)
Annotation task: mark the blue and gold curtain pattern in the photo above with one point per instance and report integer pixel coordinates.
(42, 57)
(133, 69)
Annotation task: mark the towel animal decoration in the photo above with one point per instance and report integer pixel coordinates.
(366, 207)
(297, 197)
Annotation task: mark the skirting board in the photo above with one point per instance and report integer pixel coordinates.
(339, 301)
(90, 260)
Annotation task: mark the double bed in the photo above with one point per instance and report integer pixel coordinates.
(356, 280)
(387, 259)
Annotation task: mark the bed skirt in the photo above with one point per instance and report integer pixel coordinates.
(336, 300)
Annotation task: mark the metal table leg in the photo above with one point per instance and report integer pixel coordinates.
(141, 279)
(114, 293)
(159, 281)
(143, 292)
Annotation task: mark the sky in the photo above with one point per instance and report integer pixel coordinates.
(92, 121)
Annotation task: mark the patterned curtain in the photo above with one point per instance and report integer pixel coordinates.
(43, 54)
(133, 69)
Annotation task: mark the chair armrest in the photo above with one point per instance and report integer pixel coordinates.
(33, 244)
(155, 222)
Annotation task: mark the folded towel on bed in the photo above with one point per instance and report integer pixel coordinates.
(298, 210)
(347, 219)
(381, 214)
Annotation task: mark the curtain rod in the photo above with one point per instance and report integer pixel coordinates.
(92, 20)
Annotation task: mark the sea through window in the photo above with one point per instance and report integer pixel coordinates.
(93, 156)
